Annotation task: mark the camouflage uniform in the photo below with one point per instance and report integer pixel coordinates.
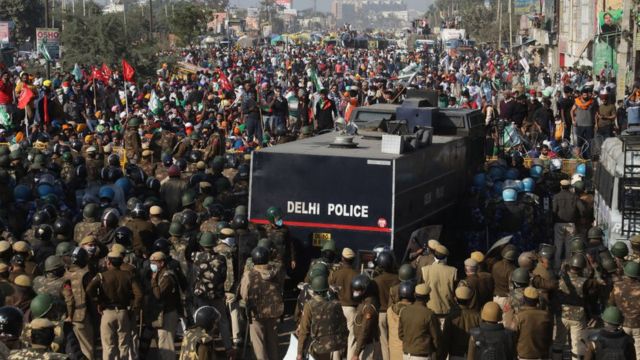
(209, 225)
(209, 274)
(324, 324)
(625, 296)
(59, 340)
(148, 166)
(67, 173)
(35, 353)
(281, 241)
(197, 345)
(515, 300)
(230, 287)
(572, 291)
(29, 235)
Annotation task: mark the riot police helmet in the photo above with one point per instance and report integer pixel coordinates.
(260, 255)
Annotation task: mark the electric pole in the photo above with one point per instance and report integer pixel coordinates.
(46, 24)
(510, 27)
(499, 24)
(150, 19)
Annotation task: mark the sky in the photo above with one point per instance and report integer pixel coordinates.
(324, 5)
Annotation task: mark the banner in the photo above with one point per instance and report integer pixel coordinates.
(284, 3)
(49, 38)
(4, 32)
(609, 21)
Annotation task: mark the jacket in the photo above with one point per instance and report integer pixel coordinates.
(419, 330)
(534, 330)
(440, 279)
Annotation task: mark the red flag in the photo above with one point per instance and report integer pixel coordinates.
(97, 75)
(127, 71)
(26, 95)
(224, 81)
(106, 72)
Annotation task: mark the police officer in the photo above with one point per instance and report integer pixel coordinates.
(419, 329)
(458, 324)
(383, 283)
(635, 249)
(90, 222)
(208, 278)
(261, 290)
(118, 296)
(323, 328)
(42, 335)
(164, 303)
(172, 189)
(161, 225)
(533, 327)
(543, 272)
(365, 324)
(480, 283)
(142, 230)
(610, 342)
(76, 280)
(566, 211)
(197, 344)
(340, 280)
(327, 257)
(623, 297)
(404, 295)
(440, 279)
(425, 257)
(11, 324)
(132, 143)
(491, 336)
(51, 282)
(278, 233)
(501, 273)
(571, 295)
(519, 281)
(227, 248)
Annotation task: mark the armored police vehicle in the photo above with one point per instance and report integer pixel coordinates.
(373, 188)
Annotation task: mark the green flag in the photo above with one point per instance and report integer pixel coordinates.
(5, 118)
(42, 49)
(313, 76)
(154, 103)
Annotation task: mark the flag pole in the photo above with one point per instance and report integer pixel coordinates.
(126, 98)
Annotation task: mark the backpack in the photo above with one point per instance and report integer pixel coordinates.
(265, 297)
(329, 327)
(610, 348)
(489, 347)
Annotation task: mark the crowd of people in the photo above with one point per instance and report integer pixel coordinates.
(124, 214)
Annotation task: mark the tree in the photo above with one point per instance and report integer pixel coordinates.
(27, 16)
(189, 21)
(217, 5)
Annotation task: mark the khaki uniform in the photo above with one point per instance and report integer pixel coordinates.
(625, 296)
(545, 281)
(340, 281)
(393, 320)
(422, 261)
(501, 273)
(164, 304)
(365, 329)
(482, 285)
(384, 283)
(419, 330)
(534, 330)
(132, 144)
(76, 280)
(143, 234)
(230, 287)
(440, 279)
(455, 331)
(117, 292)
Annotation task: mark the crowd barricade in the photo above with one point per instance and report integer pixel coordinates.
(568, 165)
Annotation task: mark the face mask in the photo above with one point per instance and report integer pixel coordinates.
(90, 249)
(279, 222)
(154, 268)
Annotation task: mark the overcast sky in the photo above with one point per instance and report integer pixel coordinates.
(324, 5)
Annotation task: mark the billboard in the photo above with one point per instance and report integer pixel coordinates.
(609, 21)
(287, 4)
(4, 31)
(525, 7)
(50, 39)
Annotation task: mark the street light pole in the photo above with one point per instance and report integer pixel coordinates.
(46, 25)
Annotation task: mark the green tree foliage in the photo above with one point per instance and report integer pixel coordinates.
(188, 21)
(27, 16)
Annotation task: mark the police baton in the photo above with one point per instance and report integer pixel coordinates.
(247, 314)
(140, 325)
